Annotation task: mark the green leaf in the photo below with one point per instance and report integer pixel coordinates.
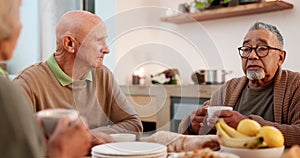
(200, 5)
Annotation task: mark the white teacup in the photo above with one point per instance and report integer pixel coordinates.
(50, 117)
(211, 110)
(212, 113)
(123, 137)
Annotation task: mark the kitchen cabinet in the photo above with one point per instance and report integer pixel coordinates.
(247, 9)
(181, 107)
(153, 103)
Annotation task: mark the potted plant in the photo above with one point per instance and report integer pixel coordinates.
(210, 4)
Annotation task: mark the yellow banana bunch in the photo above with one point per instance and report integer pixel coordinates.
(228, 136)
(231, 131)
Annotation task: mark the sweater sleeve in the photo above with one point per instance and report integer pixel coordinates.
(123, 116)
(120, 111)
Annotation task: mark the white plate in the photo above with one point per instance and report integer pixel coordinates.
(221, 154)
(129, 148)
(160, 155)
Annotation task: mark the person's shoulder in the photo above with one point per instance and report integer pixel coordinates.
(33, 70)
(290, 76)
(5, 82)
(234, 83)
(235, 80)
(290, 73)
(104, 75)
(289, 80)
(103, 70)
(7, 87)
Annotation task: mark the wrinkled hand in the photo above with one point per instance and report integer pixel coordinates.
(232, 118)
(69, 140)
(197, 118)
(100, 138)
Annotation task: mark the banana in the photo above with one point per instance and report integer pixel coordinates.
(252, 142)
(231, 131)
(263, 145)
(220, 131)
(226, 140)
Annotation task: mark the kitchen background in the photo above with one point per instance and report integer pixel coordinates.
(137, 37)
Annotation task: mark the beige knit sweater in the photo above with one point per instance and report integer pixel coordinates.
(286, 103)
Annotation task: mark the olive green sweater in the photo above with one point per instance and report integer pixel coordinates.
(101, 101)
(20, 134)
(286, 103)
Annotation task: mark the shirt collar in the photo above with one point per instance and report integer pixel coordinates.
(62, 77)
(3, 72)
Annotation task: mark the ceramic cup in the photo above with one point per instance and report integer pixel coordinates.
(212, 109)
(212, 112)
(123, 137)
(50, 117)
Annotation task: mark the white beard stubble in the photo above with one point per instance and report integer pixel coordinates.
(255, 74)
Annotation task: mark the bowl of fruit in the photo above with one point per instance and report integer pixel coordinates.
(250, 140)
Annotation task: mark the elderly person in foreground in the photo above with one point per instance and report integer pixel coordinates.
(20, 133)
(267, 93)
(74, 77)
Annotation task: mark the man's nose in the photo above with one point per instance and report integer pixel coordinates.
(105, 50)
(253, 55)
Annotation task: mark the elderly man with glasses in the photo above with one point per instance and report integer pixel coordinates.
(266, 94)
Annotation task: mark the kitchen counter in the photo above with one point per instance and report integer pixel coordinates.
(153, 102)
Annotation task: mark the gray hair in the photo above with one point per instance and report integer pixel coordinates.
(8, 10)
(261, 25)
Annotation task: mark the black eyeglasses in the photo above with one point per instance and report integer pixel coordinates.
(261, 51)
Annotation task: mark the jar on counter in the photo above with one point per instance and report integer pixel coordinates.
(135, 79)
(184, 8)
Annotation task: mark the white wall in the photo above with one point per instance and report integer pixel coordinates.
(142, 40)
(28, 48)
(106, 13)
(50, 12)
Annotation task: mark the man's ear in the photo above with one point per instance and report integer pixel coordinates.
(282, 57)
(69, 44)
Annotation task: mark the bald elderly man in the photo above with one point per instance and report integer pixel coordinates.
(74, 77)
